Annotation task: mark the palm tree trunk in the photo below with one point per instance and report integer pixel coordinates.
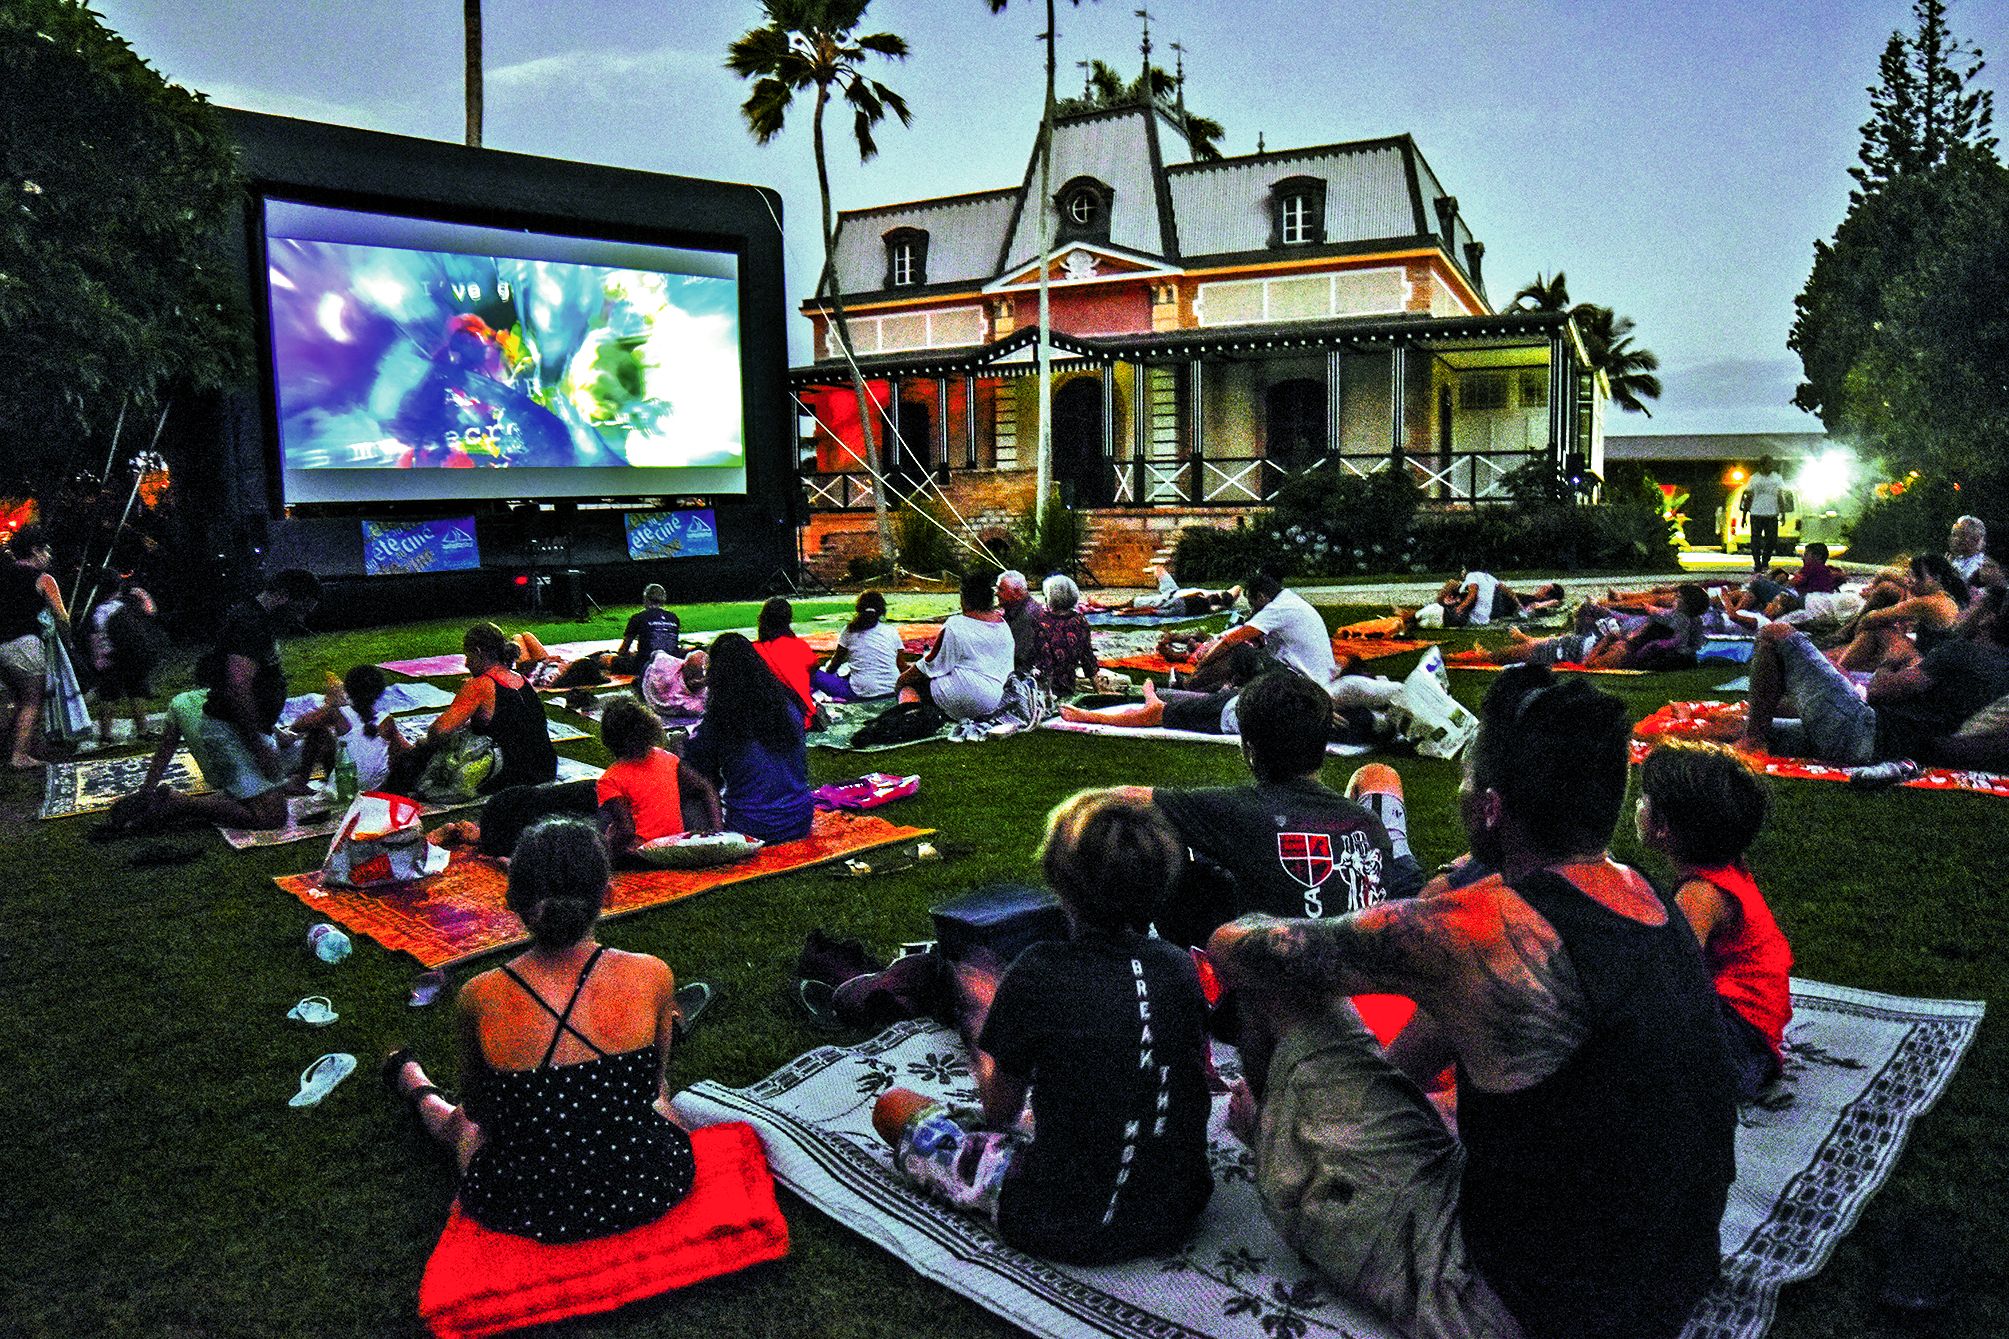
(470, 11)
(1043, 451)
(843, 330)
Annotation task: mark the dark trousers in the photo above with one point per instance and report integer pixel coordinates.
(1764, 541)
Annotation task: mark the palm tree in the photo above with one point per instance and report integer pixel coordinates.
(1044, 451)
(1543, 295)
(470, 22)
(1607, 338)
(814, 44)
(1107, 88)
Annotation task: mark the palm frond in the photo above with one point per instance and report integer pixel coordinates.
(766, 109)
(891, 45)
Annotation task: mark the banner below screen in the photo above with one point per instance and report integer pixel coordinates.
(421, 546)
(672, 534)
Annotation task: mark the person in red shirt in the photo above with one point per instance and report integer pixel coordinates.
(786, 654)
(641, 795)
(1701, 806)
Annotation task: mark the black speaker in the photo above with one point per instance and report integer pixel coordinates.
(569, 590)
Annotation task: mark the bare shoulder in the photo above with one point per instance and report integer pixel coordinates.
(641, 969)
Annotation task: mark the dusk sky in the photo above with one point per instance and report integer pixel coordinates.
(1677, 161)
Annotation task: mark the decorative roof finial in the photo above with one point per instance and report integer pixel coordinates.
(1145, 47)
(1259, 141)
(1179, 79)
(1087, 84)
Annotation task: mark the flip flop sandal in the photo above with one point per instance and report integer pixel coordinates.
(320, 1078)
(427, 988)
(692, 1000)
(314, 1011)
(814, 1000)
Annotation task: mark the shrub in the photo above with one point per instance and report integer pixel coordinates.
(1906, 520)
(1040, 550)
(924, 546)
(1207, 553)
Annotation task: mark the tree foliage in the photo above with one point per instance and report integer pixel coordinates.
(116, 284)
(1900, 328)
(1629, 370)
(1105, 87)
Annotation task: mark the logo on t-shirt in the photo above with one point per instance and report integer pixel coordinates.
(1309, 860)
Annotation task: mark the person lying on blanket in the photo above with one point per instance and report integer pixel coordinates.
(750, 745)
(1700, 807)
(641, 794)
(1905, 615)
(963, 675)
(1583, 1192)
(1663, 639)
(1105, 1033)
(347, 719)
(1477, 599)
(569, 1027)
(496, 702)
(1183, 601)
(1286, 843)
(871, 647)
(1908, 711)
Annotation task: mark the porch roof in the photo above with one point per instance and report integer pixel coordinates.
(1502, 329)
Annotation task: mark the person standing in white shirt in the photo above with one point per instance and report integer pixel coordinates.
(1763, 502)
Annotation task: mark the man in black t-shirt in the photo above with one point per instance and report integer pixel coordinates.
(1287, 845)
(651, 629)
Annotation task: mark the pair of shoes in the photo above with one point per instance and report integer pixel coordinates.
(912, 987)
(314, 1011)
(692, 999)
(834, 961)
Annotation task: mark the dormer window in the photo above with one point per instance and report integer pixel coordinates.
(1297, 212)
(906, 258)
(1083, 206)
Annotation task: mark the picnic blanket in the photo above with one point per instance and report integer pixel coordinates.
(92, 785)
(438, 667)
(1482, 660)
(848, 718)
(1109, 618)
(316, 816)
(459, 913)
(1732, 650)
(1860, 1068)
(1335, 749)
(915, 638)
(1706, 719)
(396, 697)
(1343, 647)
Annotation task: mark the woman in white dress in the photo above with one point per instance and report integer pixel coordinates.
(964, 673)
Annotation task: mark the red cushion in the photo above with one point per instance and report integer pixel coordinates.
(481, 1282)
(1385, 1015)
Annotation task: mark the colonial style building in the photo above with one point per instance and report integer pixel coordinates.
(1218, 325)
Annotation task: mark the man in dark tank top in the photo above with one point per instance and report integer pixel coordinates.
(1582, 1193)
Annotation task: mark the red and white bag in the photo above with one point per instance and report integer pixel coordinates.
(380, 841)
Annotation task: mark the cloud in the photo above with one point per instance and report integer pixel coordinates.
(574, 72)
(1723, 395)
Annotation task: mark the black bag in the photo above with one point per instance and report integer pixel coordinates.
(902, 723)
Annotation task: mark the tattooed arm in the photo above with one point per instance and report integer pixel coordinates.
(1491, 972)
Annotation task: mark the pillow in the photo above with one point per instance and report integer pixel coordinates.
(692, 850)
(481, 1282)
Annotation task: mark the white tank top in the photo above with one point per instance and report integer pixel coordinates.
(371, 755)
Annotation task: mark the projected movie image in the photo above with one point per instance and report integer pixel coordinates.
(431, 369)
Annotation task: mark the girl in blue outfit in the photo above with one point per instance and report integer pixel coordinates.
(750, 745)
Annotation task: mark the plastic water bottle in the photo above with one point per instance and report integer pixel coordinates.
(344, 775)
(328, 943)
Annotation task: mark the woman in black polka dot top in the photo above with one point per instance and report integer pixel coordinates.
(566, 1133)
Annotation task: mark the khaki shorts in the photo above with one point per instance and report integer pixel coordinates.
(1358, 1173)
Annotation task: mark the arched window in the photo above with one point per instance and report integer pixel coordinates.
(906, 258)
(1297, 212)
(1083, 206)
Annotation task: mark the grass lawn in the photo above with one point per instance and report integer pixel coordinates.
(157, 1184)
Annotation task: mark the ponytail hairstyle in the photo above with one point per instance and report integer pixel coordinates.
(871, 608)
(558, 880)
(487, 640)
(365, 684)
(1111, 858)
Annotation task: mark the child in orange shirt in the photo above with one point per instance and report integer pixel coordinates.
(641, 792)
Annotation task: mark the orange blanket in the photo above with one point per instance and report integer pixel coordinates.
(1482, 660)
(914, 637)
(1679, 720)
(1343, 647)
(459, 913)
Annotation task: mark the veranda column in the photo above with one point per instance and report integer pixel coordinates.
(1104, 480)
(1558, 395)
(1140, 431)
(970, 420)
(1398, 395)
(942, 428)
(1196, 410)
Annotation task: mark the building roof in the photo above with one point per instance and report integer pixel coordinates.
(1715, 445)
(1163, 205)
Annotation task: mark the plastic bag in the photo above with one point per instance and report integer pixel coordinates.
(456, 773)
(380, 841)
(1426, 713)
